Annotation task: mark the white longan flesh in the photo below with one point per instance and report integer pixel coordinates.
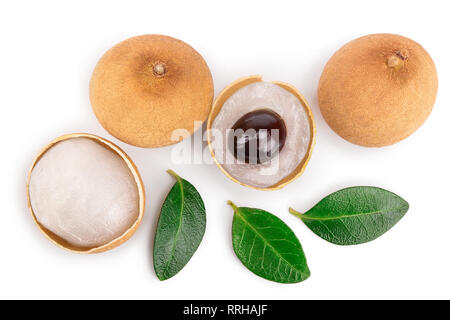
(255, 96)
(84, 192)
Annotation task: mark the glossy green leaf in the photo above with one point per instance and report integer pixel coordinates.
(180, 230)
(354, 215)
(267, 246)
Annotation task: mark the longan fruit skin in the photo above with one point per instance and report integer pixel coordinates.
(371, 103)
(141, 107)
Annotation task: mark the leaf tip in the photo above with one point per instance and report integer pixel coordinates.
(162, 278)
(406, 205)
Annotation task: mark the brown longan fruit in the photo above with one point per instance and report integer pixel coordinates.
(147, 86)
(378, 89)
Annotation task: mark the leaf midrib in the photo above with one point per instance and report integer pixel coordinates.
(172, 253)
(303, 217)
(267, 243)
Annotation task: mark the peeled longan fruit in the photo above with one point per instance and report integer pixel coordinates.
(146, 87)
(258, 157)
(85, 194)
(378, 89)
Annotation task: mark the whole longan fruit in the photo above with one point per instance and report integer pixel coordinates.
(148, 86)
(378, 89)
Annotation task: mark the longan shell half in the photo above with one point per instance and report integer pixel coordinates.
(378, 89)
(147, 86)
(226, 93)
(134, 171)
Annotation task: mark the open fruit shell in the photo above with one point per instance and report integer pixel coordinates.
(134, 171)
(227, 92)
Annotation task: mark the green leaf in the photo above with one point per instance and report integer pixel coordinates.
(180, 230)
(267, 246)
(354, 215)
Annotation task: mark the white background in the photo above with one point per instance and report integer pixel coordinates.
(48, 51)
